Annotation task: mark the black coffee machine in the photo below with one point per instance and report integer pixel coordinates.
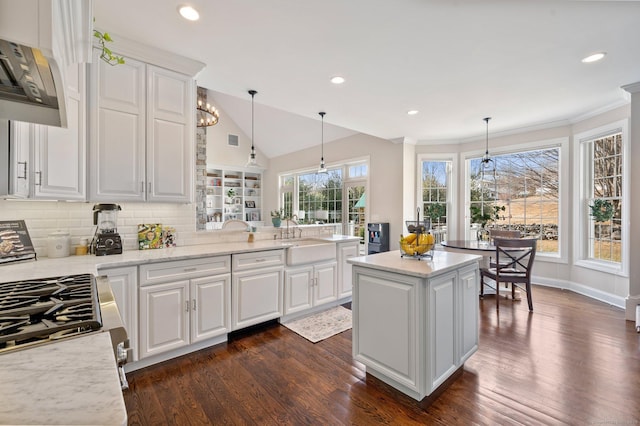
(106, 239)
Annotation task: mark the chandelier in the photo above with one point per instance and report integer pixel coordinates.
(207, 114)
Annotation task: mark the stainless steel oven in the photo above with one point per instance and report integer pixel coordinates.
(44, 311)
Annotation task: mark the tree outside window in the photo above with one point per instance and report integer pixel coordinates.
(435, 195)
(522, 194)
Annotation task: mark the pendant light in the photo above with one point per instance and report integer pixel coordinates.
(486, 160)
(252, 156)
(487, 167)
(322, 168)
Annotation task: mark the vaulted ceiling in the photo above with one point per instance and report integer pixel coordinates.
(454, 61)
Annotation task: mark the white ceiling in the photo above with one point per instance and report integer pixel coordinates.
(456, 61)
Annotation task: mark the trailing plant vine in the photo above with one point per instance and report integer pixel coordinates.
(107, 55)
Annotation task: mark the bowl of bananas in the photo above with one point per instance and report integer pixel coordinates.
(417, 245)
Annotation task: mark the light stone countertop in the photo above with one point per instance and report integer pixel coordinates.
(89, 264)
(391, 261)
(73, 381)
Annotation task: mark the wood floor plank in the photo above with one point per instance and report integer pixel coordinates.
(572, 361)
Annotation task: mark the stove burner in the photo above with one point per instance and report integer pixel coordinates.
(52, 308)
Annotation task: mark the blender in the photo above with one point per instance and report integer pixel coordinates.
(106, 239)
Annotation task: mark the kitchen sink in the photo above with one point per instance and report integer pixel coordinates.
(309, 251)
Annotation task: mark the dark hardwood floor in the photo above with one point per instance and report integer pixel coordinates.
(573, 361)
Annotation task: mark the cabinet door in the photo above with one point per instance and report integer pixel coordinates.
(164, 319)
(345, 270)
(326, 283)
(170, 135)
(210, 307)
(117, 149)
(469, 312)
(442, 329)
(124, 284)
(20, 163)
(298, 289)
(59, 153)
(256, 296)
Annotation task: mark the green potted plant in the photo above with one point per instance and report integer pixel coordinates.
(230, 194)
(276, 217)
(482, 218)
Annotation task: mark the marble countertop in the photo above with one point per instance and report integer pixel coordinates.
(89, 264)
(391, 261)
(73, 381)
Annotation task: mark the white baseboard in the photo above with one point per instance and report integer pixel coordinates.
(602, 296)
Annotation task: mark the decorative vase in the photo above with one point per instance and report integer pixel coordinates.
(276, 222)
(483, 235)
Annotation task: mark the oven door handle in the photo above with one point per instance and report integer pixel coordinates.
(124, 384)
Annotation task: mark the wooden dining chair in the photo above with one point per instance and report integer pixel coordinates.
(502, 233)
(514, 261)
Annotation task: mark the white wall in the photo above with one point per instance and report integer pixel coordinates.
(220, 153)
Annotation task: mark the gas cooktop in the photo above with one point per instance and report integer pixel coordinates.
(45, 310)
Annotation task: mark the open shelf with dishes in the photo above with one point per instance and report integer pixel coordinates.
(233, 194)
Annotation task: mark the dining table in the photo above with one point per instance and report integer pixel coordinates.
(484, 248)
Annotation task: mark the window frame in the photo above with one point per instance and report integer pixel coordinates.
(563, 197)
(452, 187)
(581, 194)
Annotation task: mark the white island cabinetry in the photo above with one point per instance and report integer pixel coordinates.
(415, 322)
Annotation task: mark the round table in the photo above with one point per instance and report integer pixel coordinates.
(483, 248)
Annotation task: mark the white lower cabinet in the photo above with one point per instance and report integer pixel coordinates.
(256, 288)
(124, 285)
(309, 286)
(178, 312)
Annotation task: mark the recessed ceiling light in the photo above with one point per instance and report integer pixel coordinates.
(337, 80)
(188, 12)
(412, 112)
(593, 58)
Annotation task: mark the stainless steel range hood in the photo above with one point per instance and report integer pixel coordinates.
(31, 86)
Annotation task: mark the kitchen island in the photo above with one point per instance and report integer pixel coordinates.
(415, 322)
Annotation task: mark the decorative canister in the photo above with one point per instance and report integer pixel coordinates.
(58, 244)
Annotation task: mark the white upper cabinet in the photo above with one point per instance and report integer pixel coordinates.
(48, 162)
(60, 153)
(142, 133)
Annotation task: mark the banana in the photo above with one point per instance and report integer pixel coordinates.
(410, 239)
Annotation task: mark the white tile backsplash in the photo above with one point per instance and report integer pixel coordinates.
(44, 217)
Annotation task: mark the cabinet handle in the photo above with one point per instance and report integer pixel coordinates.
(24, 175)
(261, 260)
(39, 181)
(194, 304)
(190, 269)
(186, 306)
(149, 188)
(142, 186)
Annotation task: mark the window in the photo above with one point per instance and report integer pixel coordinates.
(320, 196)
(603, 199)
(519, 191)
(337, 197)
(435, 195)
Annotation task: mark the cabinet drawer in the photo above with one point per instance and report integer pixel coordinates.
(155, 273)
(261, 259)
